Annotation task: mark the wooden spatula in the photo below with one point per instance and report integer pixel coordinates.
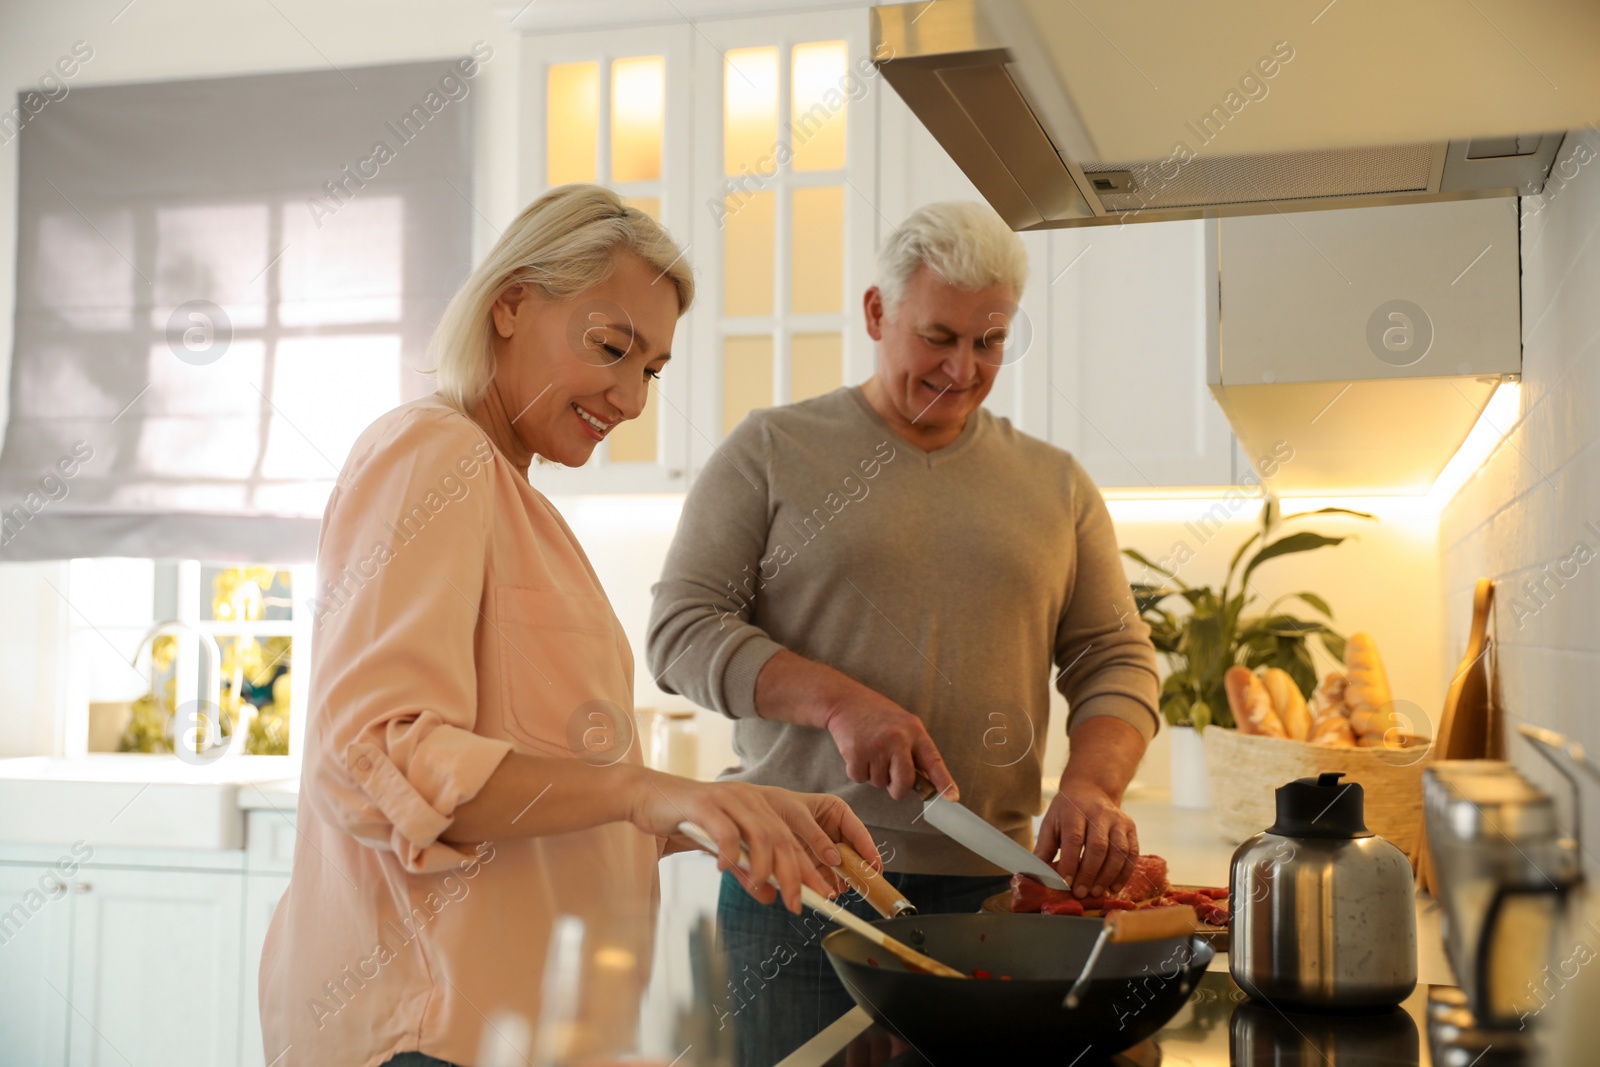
(871, 884)
(829, 910)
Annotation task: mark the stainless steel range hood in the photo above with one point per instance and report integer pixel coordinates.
(1010, 125)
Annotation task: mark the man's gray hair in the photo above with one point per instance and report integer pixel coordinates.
(964, 243)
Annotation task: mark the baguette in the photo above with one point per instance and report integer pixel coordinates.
(1367, 691)
(1251, 704)
(1331, 728)
(1330, 696)
(1287, 702)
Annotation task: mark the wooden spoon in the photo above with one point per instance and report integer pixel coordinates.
(832, 911)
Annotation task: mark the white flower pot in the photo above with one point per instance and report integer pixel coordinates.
(1191, 788)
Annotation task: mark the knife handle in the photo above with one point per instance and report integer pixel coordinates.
(871, 884)
(924, 786)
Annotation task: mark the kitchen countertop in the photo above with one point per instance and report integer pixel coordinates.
(280, 795)
(1200, 1034)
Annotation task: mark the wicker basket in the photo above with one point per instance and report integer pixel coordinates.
(1246, 769)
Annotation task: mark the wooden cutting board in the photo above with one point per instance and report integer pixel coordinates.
(1215, 936)
(1468, 727)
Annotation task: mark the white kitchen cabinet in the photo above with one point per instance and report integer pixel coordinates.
(155, 967)
(35, 937)
(115, 956)
(1132, 310)
(614, 107)
(261, 893)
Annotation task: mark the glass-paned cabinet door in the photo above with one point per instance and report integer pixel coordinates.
(614, 108)
(784, 222)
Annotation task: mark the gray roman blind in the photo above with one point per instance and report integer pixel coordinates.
(220, 283)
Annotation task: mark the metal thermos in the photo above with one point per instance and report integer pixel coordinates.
(1323, 912)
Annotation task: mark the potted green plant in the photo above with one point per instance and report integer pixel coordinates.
(1215, 633)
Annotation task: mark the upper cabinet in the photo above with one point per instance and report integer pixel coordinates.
(1364, 344)
(745, 139)
(615, 108)
(1132, 314)
(784, 220)
(775, 151)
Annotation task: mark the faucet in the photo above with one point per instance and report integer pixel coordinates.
(212, 676)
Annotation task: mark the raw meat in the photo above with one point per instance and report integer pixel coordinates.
(1028, 896)
(1147, 888)
(1149, 879)
(1063, 907)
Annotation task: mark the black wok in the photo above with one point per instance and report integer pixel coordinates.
(1135, 988)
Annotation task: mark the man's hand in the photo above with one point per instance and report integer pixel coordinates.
(881, 742)
(1097, 841)
(885, 744)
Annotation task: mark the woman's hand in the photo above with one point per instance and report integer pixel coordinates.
(790, 835)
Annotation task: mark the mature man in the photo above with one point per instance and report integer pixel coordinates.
(878, 581)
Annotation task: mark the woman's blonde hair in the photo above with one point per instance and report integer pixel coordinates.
(563, 243)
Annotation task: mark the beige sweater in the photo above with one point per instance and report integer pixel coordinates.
(953, 582)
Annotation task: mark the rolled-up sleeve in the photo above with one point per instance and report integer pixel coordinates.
(393, 750)
(1107, 663)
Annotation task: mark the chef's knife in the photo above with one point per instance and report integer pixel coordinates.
(970, 830)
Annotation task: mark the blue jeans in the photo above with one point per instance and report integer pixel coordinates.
(784, 991)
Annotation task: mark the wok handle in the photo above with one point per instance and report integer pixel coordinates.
(1125, 927)
(1151, 924)
(871, 884)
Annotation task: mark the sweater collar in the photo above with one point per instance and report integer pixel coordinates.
(938, 455)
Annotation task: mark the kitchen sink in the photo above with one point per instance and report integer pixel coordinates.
(130, 800)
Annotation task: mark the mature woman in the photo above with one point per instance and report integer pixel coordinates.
(460, 789)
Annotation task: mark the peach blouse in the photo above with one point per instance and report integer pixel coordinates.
(456, 619)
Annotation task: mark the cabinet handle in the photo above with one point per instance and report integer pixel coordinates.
(56, 887)
(82, 887)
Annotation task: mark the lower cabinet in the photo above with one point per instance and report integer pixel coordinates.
(261, 893)
(155, 967)
(146, 957)
(35, 951)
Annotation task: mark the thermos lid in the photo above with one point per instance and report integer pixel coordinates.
(1321, 807)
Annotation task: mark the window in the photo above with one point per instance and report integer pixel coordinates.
(201, 335)
(171, 655)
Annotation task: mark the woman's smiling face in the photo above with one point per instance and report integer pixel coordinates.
(568, 370)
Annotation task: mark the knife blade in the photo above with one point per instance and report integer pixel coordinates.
(961, 824)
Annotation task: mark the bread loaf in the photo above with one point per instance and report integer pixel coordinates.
(1366, 692)
(1251, 703)
(1287, 701)
(1330, 696)
(1332, 728)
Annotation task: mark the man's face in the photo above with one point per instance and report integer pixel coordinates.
(940, 349)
